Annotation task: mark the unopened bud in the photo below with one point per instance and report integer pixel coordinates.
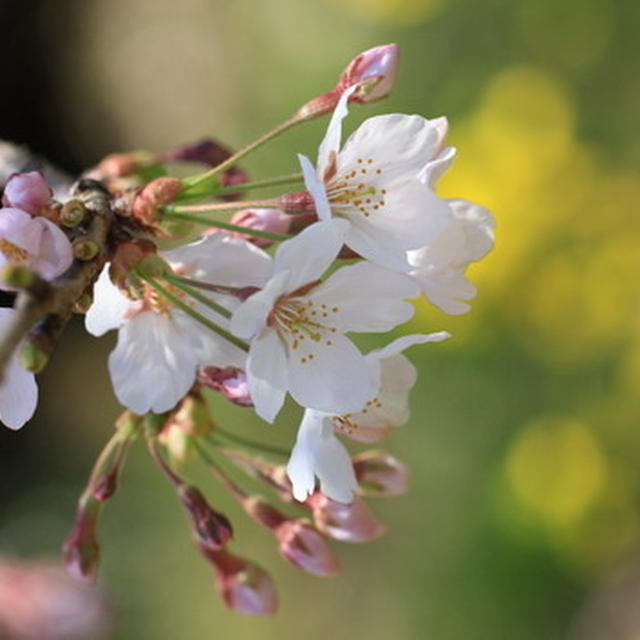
(81, 550)
(119, 165)
(190, 420)
(271, 220)
(19, 276)
(373, 72)
(27, 191)
(153, 266)
(297, 202)
(263, 513)
(33, 357)
(380, 474)
(72, 213)
(127, 256)
(352, 522)
(302, 545)
(243, 585)
(85, 250)
(230, 381)
(212, 529)
(153, 196)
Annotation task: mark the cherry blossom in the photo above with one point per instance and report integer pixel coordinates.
(160, 347)
(319, 453)
(373, 183)
(34, 242)
(297, 324)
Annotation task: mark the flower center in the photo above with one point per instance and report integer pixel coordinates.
(12, 252)
(355, 189)
(303, 324)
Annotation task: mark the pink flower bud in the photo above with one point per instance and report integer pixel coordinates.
(297, 202)
(345, 522)
(128, 255)
(230, 381)
(303, 546)
(153, 196)
(271, 220)
(81, 550)
(27, 191)
(243, 585)
(262, 512)
(374, 71)
(212, 529)
(210, 153)
(380, 474)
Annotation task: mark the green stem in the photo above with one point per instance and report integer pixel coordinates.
(223, 207)
(217, 224)
(229, 162)
(219, 473)
(250, 444)
(192, 312)
(194, 293)
(238, 292)
(292, 178)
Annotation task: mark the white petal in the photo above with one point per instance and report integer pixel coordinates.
(366, 297)
(109, 306)
(397, 376)
(315, 187)
(436, 168)
(55, 254)
(335, 379)
(331, 142)
(222, 259)
(309, 254)
(18, 396)
(477, 225)
(210, 349)
(251, 316)
(411, 218)
(318, 452)
(398, 143)
(153, 365)
(267, 374)
(373, 244)
(400, 344)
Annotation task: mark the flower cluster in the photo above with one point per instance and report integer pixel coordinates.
(259, 308)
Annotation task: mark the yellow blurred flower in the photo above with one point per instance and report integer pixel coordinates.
(557, 470)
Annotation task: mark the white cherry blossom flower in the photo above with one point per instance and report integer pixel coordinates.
(160, 347)
(18, 390)
(33, 242)
(440, 267)
(373, 183)
(297, 323)
(319, 454)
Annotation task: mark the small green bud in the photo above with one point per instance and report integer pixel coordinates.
(72, 213)
(85, 250)
(33, 357)
(153, 266)
(20, 277)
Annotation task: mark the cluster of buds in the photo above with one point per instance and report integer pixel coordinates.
(256, 308)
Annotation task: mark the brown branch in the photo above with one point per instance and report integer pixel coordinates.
(38, 299)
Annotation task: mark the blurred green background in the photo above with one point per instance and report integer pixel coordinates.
(523, 520)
